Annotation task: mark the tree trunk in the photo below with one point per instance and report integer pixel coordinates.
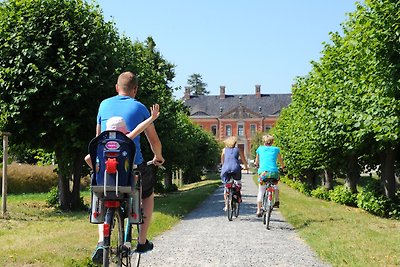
(76, 187)
(63, 187)
(388, 179)
(353, 173)
(168, 178)
(311, 178)
(328, 179)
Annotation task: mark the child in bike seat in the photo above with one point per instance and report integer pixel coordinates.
(118, 124)
(231, 157)
(266, 161)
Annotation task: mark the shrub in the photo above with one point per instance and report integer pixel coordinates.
(321, 193)
(373, 203)
(25, 178)
(52, 198)
(342, 196)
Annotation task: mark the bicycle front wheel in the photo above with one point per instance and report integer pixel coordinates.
(113, 243)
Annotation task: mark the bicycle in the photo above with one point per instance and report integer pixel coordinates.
(268, 201)
(232, 198)
(116, 197)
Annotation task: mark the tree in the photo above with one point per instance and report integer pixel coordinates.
(196, 85)
(57, 61)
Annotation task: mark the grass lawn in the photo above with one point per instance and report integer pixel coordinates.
(34, 235)
(341, 235)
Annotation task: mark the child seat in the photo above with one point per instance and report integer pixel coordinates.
(112, 155)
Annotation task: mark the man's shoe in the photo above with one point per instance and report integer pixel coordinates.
(97, 256)
(276, 205)
(146, 247)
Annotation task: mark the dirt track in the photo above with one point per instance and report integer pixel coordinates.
(206, 238)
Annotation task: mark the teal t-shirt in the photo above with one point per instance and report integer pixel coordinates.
(267, 156)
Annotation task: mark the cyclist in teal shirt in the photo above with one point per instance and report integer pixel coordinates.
(266, 157)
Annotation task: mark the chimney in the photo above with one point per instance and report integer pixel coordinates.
(187, 93)
(222, 92)
(258, 91)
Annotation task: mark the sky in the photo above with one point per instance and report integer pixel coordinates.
(233, 43)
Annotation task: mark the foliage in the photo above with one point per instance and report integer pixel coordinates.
(52, 198)
(321, 193)
(345, 113)
(342, 195)
(196, 85)
(23, 154)
(55, 55)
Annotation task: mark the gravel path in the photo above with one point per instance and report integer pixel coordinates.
(205, 237)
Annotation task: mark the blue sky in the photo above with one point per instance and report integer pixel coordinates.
(233, 43)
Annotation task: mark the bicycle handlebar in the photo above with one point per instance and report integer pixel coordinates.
(150, 162)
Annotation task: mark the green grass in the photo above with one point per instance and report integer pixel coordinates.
(33, 234)
(341, 235)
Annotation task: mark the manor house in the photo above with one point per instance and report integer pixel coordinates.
(243, 115)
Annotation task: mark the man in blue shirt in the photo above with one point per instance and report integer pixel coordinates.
(133, 112)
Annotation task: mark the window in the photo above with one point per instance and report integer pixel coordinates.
(214, 130)
(253, 129)
(240, 130)
(228, 130)
(267, 128)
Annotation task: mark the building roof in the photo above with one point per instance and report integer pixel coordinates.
(264, 105)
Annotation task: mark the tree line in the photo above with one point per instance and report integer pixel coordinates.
(344, 116)
(58, 60)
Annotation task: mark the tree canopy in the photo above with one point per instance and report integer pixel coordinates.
(344, 114)
(196, 85)
(58, 60)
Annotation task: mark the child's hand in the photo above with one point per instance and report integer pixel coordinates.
(155, 111)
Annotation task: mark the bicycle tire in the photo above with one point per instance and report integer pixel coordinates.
(270, 207)
(237, 209)
(269, 211)
(135, 257)
(113, 244)
(230, 205)
(264, 208)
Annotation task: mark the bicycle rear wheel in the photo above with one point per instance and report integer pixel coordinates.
(270, 207)
(135, 257)
(264, 208)
(113, 242)
(230, 205)
(237, 208)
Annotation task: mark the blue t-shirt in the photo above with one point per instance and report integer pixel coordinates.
(267, 156)
(128, 108)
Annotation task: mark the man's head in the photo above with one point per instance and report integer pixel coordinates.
(127, 83)
(117, 124)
